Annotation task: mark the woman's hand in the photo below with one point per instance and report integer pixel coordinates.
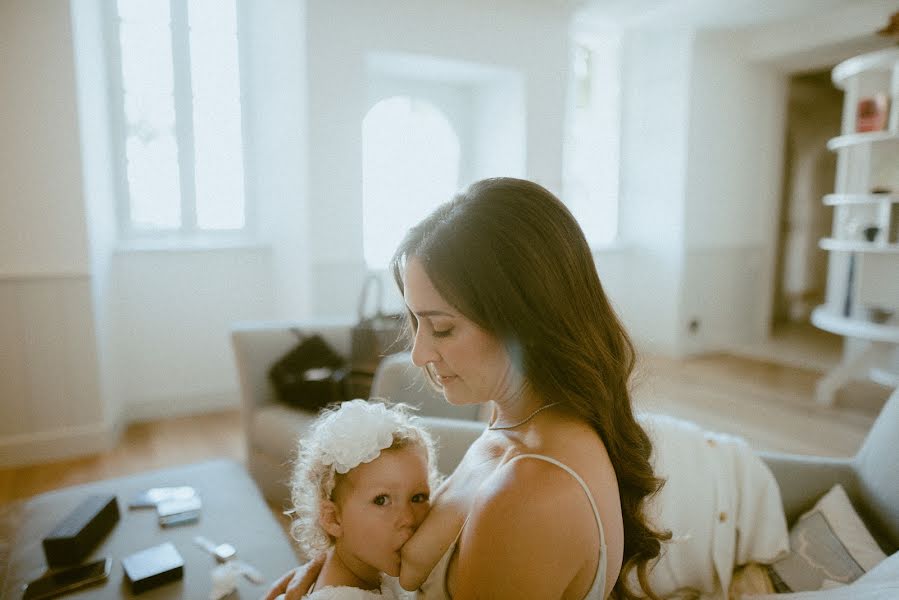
(294, 584)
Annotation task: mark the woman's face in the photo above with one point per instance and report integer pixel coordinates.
(471, 364)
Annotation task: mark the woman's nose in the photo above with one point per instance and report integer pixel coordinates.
(423, 351)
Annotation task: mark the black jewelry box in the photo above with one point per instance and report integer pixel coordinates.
(153, 567)
(77, 535)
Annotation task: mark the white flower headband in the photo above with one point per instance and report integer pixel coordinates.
(356, 433)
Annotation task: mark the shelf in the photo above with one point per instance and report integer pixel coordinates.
(854, 328)
(881, 60)
(853, 246)
(844, 199)
(884, 377)
(866, 137)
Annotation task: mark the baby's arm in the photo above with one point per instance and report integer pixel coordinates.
(425, 548)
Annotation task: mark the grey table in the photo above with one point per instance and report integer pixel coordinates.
(233, 511)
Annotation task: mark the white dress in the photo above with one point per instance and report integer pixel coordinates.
(390, 590)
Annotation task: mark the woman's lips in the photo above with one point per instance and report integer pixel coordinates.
(444, 379)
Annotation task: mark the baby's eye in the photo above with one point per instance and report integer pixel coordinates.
(419, 498)
(380, 500)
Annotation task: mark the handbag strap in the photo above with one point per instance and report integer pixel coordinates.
(371, 280)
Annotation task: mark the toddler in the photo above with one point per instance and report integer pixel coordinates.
(360, 488)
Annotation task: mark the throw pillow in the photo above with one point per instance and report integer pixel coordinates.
(828, 545)
(880, 583)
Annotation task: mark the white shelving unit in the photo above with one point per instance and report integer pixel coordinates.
(862, 302)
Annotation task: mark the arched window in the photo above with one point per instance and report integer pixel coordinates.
(410, 164)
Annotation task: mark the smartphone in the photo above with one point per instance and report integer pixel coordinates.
(60, 581)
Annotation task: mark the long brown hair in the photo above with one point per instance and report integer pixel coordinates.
(510, 257)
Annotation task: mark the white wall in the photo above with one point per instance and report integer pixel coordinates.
(654, 133)
(171, 313)
(702, 144)
(737, 120)
(50, 396)
(42, 211)
(273, 63)
(501, 34)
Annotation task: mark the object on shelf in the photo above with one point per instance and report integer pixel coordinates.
(871, 113)
(891, 29)
(871, 232)
(879, 315)
(881, 189)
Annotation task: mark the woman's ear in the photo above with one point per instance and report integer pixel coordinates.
(329, 519)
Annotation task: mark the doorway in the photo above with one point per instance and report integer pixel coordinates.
(814, 113)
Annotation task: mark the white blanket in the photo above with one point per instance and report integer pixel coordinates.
(721, 503)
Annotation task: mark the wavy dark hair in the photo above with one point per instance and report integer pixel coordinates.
(511, 257)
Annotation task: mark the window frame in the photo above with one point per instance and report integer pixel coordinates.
(188, 234)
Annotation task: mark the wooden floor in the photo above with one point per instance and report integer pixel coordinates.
(768, 403)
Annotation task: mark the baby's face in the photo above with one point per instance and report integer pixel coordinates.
(381, 504)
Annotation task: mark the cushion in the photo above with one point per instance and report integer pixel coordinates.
(829, 545)
(720, 501)
(880, 583)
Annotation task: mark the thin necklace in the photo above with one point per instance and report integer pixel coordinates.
(523, 421)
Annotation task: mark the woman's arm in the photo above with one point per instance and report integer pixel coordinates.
(531, 535)
(425, 548)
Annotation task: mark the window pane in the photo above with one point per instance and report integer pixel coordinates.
(151, 151)
(153, 182)
(218, 166)
(410, 164)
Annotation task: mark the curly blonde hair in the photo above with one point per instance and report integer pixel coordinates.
(315, 475)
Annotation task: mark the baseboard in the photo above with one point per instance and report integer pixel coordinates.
(152, 409)
(60, 444)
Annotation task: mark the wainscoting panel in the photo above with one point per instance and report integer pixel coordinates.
(50, 401)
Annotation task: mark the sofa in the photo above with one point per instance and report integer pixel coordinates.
(871, 478)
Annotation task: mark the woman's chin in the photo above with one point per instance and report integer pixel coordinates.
(457, 399)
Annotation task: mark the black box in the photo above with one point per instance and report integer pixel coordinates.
(153, 567)
(77, 535)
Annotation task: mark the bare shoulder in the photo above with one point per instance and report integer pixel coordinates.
(535, 490)
(529, 518)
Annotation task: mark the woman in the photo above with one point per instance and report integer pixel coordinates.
(505, 306)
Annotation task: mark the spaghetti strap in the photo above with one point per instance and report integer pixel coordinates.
(599, 581)
(435, 587)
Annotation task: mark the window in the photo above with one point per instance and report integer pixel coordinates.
(179, 118)
(592, 148)
(410, 165)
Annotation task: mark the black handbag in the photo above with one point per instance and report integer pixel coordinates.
(309, 376)
(375, 335)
